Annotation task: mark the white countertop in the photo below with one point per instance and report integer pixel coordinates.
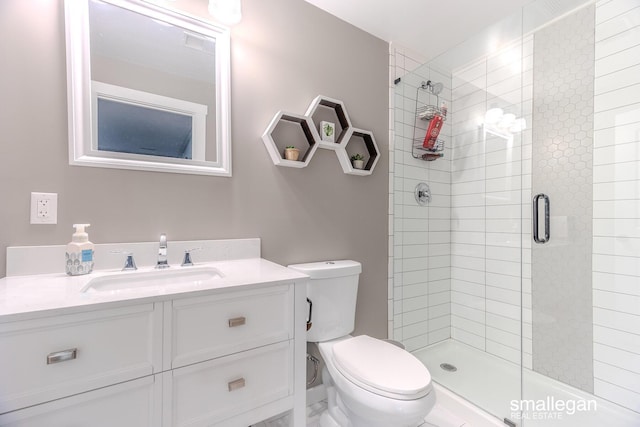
(26, 296)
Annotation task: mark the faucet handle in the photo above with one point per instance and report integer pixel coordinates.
(130, 263)
(186, 262)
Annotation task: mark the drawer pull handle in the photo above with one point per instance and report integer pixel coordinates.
(237, 321)
(62, 356)
(236, 384)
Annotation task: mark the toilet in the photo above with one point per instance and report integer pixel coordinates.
(370, 382)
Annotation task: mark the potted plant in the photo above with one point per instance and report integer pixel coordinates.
(291, 153)
(358, 161)
(327, 131)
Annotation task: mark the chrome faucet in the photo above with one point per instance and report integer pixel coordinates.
(162, 252)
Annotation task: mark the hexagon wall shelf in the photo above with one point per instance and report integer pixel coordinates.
(294, 129)
(298, 131)
(371, 158)
(338, 111)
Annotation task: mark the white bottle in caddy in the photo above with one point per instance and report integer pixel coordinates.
(79, 257)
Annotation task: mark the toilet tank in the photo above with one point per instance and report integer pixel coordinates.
(332, 289)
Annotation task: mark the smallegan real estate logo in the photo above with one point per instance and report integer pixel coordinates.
(549, 408)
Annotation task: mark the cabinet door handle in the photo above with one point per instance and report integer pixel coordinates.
(237, 321)
(62, 356)
(236, 384)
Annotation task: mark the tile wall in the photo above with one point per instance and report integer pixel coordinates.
(616, 203)
(489, 182)
(419, 249)
(455, 267)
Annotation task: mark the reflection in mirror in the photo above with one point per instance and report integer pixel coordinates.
(149, 88)
(135, 129)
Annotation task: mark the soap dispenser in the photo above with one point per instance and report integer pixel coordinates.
(79, 255)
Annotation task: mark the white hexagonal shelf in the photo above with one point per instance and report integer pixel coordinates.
(359, 142)
(302, 132)
(323, 108)
(291, 129)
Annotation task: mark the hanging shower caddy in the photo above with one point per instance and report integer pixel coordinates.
(425, 113)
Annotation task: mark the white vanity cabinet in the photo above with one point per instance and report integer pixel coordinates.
(226, 357)
(130, 404)
(48, 358)
(229, 352)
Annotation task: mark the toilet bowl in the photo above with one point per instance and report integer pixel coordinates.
(374, 384)
(370, 382)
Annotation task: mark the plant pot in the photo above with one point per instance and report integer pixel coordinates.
(291, 154)
(358, 164)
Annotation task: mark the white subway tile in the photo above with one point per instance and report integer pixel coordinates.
(618, 302)
(415, 343)
(620, 42)
(503, 309)
(625, 285)
(503, 324)
(468, 250)
(502, 337)
(618, 79)
(468, 338)
(468, 325)
(439, 335)
(617, 394)
(503, 351)
(619, 136)
(617, 339)
(616, 375)
(466, 300)
(503, 295)
(471, 288)
(614, 356)
(502, 281)
(612, 9)
(621, 23)
(439, 310)
(616, 320)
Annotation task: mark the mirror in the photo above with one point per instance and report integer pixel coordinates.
(148, 88)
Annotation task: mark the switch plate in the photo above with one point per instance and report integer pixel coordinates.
(44, 208)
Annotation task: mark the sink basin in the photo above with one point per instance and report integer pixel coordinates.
(189, 276)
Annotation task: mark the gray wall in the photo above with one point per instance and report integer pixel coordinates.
(284, 53)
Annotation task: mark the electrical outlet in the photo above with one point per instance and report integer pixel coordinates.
(44, 208)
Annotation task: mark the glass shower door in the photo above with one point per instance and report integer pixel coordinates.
(581, 301)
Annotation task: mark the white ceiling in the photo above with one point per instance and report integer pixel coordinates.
(428, 27)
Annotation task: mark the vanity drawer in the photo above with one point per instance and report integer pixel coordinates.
(53, 357)
(208, 327)
(133, 403)
(210, 392)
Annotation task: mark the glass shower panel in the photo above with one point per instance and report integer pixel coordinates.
(476, 209)
(581, 313)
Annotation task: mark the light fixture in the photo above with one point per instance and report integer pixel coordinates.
(496, 120)
(493, 116)
(228, 12)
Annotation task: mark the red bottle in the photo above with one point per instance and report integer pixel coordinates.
(432, 132)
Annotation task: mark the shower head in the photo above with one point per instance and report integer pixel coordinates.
(434, 88)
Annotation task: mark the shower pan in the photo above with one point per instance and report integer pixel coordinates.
(517, 283)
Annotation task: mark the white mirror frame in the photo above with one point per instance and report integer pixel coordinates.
(79, 92)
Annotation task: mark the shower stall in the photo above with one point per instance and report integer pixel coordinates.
(515, 233)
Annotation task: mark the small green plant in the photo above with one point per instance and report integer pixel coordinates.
(328, 129)
(288, 147)
(357, 156)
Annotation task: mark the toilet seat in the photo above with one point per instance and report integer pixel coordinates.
(381, 368)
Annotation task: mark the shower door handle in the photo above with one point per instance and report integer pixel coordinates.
(536, 225)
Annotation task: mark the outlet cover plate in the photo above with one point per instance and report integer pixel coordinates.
(44, 208)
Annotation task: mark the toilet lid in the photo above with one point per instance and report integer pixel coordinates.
(381, 367)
